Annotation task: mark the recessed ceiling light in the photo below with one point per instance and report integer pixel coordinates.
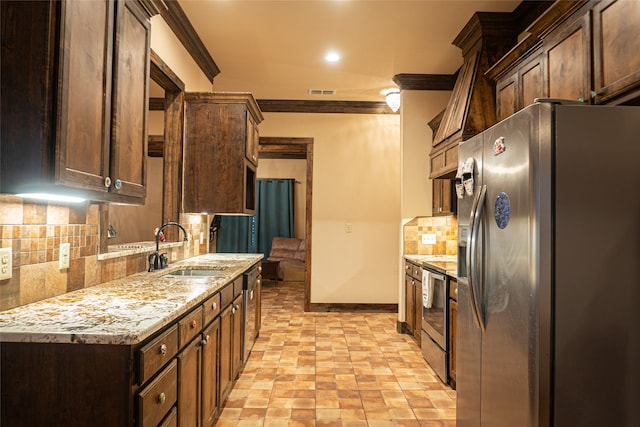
(332, 57)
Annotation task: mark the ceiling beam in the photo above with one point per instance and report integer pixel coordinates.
(425, 81)
(306, 106)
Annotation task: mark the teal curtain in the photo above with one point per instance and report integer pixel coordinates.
(236, 234)
(274, 212)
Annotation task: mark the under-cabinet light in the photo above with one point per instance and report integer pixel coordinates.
(52, 197)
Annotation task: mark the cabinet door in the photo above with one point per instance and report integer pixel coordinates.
(237, 319)
(532, 81)
(130, 99)
(251, 147)
(616, 57)
(409, 306)
(189, 376)
(84, 103)
(453, 327)
(417, 306)
(568, 61)
(224, 382)
(506, 97)
(210, 402)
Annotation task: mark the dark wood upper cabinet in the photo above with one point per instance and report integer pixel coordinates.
(581, 50)
(74, 98)
(221, 142)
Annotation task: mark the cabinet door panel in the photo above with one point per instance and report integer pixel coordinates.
(225, 354)
(84, 105)
(189, 384)
(532, 82)
(237, 320)
(409, 306)
(210, 350)
(506, 98)
(616, 46)
(130, 93)
(568, 63)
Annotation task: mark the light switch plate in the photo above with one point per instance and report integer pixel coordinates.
(65, 255)
(348, 228)
(5, 263)
(429, 239)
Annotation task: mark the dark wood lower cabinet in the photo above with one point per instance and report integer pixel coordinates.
(181, 376)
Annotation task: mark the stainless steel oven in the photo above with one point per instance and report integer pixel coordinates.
(435, 312)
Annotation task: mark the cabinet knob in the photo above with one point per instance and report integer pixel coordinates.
(455, 291)
(107, 182)
(205, 341)
(251, 295)
(194, 324)
(118, 184)
(162, 398)
(214, 305)
(163, 349)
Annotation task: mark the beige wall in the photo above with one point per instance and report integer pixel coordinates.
(418, 108)
(289, 168)
(356, 180)
(173, 53)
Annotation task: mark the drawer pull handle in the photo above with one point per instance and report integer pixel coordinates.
(163, 349)
(214, 305)
(193, 324)
(456, 291)
(162, 398)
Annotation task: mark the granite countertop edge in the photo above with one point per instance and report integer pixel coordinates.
(126, 311)
(447, 264)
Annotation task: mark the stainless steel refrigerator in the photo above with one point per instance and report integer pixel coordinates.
(549, 269)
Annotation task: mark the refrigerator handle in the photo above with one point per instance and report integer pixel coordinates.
(473, 255)
(471, 239)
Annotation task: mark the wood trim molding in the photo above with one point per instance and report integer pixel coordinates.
(367, 308)
(425, 81)
(162, 74)
(156, 104)
(177, 20)
(155, 145)
(306, 106)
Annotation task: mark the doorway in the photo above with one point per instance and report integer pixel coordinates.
(296, 148)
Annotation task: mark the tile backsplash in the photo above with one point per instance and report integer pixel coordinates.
(444, 227)
(34, 232)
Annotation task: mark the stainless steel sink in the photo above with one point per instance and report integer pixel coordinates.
(194, 273)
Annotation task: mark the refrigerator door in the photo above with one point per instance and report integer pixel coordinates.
(468, 362)
(508, 294)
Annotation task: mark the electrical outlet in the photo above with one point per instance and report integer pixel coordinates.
(348, 228)
(201, 237)
(65, 255)
(429, 239)
(5, 263)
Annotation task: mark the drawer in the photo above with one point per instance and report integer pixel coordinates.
(157, 353)
(156, 399)
(226, 295)
(190, 326)
(453, 289)
(211, 308)
(237, 286)
(171, 420)
(413, 270)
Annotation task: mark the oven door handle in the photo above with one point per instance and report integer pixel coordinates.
(435, 276)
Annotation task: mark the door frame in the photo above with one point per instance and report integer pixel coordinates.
(296, 148)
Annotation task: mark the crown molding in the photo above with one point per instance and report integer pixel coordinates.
(425, 81)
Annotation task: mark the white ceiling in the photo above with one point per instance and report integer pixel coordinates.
(275, 49)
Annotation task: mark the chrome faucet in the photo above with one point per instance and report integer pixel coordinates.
(157, 260)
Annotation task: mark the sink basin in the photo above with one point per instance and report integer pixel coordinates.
(193, 273)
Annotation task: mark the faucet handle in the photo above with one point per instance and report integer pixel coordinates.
(164, 261)
(152, 262)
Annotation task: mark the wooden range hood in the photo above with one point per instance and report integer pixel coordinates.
(471, 109)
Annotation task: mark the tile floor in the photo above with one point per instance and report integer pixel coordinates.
(334, 369)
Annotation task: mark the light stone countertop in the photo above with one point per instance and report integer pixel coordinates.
(447, 264)
(124, 311)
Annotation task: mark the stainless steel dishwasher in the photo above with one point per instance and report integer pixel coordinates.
(252, 311)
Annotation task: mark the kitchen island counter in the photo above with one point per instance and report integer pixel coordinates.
(125, 311)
